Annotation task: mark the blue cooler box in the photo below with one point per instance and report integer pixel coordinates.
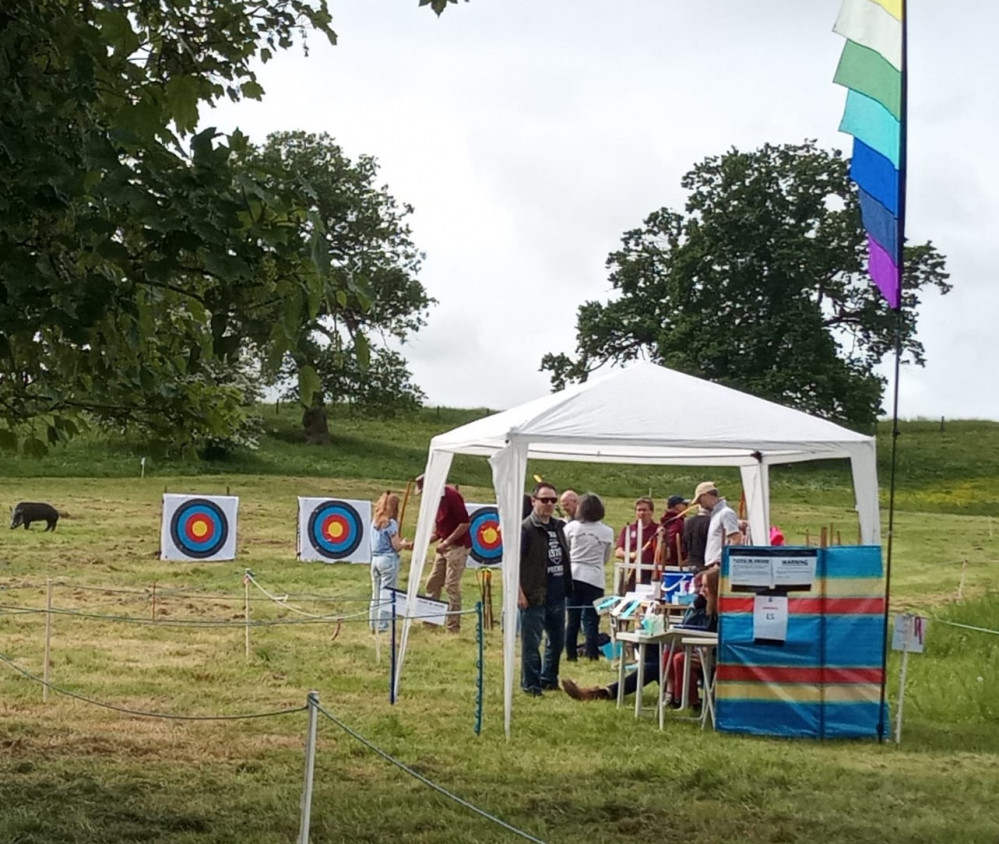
(676, 586)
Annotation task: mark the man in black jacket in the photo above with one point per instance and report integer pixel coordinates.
(545, 584)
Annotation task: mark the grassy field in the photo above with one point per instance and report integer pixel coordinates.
(74, 771)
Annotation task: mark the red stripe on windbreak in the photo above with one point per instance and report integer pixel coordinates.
(812, 606)
(796, 674)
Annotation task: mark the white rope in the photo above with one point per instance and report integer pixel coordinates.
(284, 602)
(965, 626)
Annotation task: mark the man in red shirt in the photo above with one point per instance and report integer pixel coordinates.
(451, 535)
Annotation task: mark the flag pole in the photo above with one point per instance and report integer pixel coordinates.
(900, 264)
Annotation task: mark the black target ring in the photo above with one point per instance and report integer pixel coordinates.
(335, 529)
(487, 542)
(199, 528)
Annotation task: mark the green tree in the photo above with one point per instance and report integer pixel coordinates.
(438, 5)
(760, 284)
(371, 290)
(132, 251)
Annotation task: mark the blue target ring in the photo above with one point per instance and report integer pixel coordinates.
(199, 528)
(335, 529)
(487, 542)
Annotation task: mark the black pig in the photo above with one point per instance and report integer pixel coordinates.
(34, 511)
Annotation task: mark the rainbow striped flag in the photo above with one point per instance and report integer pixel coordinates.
(872, 68)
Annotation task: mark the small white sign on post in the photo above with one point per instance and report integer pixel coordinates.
(908, 636)
(427, 610)
(909, 633)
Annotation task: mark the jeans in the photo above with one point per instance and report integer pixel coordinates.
(535, 620)
(384, 575)
(650, 672)
(581, 609)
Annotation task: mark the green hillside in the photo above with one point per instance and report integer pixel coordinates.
(953, 468)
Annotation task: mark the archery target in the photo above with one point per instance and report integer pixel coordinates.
(484, 531)
(334, 530)
(198, 527)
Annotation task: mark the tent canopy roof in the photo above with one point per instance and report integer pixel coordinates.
(646, 413)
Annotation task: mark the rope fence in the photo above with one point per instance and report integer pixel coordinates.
(418, 776)
(311, 706)
(370, 616)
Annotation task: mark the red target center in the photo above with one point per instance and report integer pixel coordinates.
(197, 528)
(489, 536)
(335, 528)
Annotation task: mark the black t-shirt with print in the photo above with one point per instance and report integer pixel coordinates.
(556, 566)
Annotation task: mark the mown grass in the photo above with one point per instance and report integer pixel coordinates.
(74, 772)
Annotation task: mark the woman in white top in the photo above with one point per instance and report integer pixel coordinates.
(590, 545)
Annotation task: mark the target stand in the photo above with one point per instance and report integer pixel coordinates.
(334, 530)
(484, 531)
(200, 528)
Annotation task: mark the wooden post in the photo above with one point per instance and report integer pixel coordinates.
(46, 669)
(824, 537)
(839, 538)
(154, 602)
(960, 585)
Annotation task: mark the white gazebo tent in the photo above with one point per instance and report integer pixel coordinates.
(641, 414)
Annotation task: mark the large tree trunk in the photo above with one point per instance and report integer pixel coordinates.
(315, 426)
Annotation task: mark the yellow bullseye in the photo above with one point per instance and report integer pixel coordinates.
(490, 535)
(335, 530)
(199, 528)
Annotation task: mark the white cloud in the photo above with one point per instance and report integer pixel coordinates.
(530, 135)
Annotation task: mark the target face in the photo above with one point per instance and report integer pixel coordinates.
(487, 542)
(335, 529)
(199, 528)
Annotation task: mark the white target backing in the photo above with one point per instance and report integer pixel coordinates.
(198, 527)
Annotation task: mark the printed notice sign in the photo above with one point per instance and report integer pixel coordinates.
(770, 618)
(909, 633)
(751, 571)
(794, 572)
(788, 570)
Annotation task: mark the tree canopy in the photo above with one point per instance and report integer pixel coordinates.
(372, 291)
(759, 284)
(137, 257)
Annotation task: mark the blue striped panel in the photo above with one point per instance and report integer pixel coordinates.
(768, 718)
(873, 124)
(800, 720)
(854, 720)
(855, 640)
(855, 561)
(851, 641)
(875, 174)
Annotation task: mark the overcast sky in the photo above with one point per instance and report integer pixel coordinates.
(530, 134)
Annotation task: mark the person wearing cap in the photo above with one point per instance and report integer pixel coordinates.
(723, 527)
(671, 529)
(451, 555)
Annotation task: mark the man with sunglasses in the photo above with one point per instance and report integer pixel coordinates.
(545, 584)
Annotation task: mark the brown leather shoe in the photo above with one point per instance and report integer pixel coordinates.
(593, 693)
